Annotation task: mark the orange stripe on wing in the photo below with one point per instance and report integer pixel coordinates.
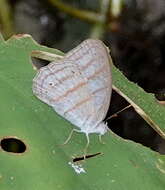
(56, 71)
(104, 67)
(51, 73)
(70, 91)
(98, 90)
(64, 79)
(78, 105)
(76, 52)
(84, 100)
(89, 63)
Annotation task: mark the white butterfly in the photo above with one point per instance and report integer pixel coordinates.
(79, 86)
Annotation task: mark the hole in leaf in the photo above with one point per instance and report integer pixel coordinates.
(38, 63)
(129, 125)
(13, 145)
(160, 96)
(87, 157)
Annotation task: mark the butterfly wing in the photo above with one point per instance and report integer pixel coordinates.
(93, 59)
(79, 86)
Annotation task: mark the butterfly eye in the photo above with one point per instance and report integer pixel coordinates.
(51, 84)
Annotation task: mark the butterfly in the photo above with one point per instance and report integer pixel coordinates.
(79, 86)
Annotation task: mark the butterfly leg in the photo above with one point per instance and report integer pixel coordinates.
(79, 131)
(70, 135)
(86, 147)
(100, 139)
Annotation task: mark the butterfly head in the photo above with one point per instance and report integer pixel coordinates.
(101, 128)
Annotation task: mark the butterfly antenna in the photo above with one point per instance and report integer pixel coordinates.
(70, 135)
(115, 114)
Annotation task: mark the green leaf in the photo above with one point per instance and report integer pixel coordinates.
(144, 103)
(46, 164)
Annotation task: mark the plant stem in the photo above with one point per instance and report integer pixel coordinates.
(5, 18)
(81, 14)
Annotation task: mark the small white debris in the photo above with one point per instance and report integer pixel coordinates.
(44, 20)
(78, 168)
(11, 177)
(108, 174)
